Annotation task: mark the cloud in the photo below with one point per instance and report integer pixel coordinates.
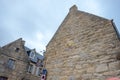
(38, 41)
(91, 6)
(39, 36)
(35, 44)
(23, 18)
(37, 20)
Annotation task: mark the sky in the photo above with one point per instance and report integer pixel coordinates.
(36, 21)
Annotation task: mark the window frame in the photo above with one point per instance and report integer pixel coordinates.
(30, 68)
(11, 64)
(17, 49)
(38, 71)
(32, 55)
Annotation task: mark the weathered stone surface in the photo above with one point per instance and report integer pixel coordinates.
(1, 62)
(90, 69)
(112, 73)
(2, 70)
(84, 46)
(87, 76)
(101, 68)
(114, 65)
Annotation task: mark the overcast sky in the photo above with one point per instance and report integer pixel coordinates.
(37, 20)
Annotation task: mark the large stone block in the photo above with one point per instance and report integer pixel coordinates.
(114, 65)
(101, 67)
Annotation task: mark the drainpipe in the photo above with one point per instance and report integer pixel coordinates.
(115, 28)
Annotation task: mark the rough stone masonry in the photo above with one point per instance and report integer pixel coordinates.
(85, 47)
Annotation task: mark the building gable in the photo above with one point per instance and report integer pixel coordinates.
(77, 20)
(84, 47)
(16, 49)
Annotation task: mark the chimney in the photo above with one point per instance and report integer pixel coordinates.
(73, 9)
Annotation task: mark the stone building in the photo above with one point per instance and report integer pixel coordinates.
(85, 47)
(17, 62)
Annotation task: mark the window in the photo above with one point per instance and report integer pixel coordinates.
(38, 71)
(39, 63)
(17, 50)
(28, 52)
(3, 78)
(32, 55)
(30, 68)
(11, 64)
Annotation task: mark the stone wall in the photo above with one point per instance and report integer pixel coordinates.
(20, 57)
(84, 47)
(22, 61)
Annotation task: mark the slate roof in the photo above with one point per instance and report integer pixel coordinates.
(36, 57)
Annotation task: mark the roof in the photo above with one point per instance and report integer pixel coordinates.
(37, 55)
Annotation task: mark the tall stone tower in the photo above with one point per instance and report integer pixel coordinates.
(85, 47)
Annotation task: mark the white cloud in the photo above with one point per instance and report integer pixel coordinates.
(91, 6)
(35, 44)
(39, 40)
(37, 20)
(39, 36)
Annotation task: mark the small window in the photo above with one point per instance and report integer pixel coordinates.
(32, 55)
(11, 64)
(17, 49)
(30, 68)
(28, 52)
(38, 71)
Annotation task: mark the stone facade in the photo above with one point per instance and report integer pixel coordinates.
(85, 47)
(15, 62)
